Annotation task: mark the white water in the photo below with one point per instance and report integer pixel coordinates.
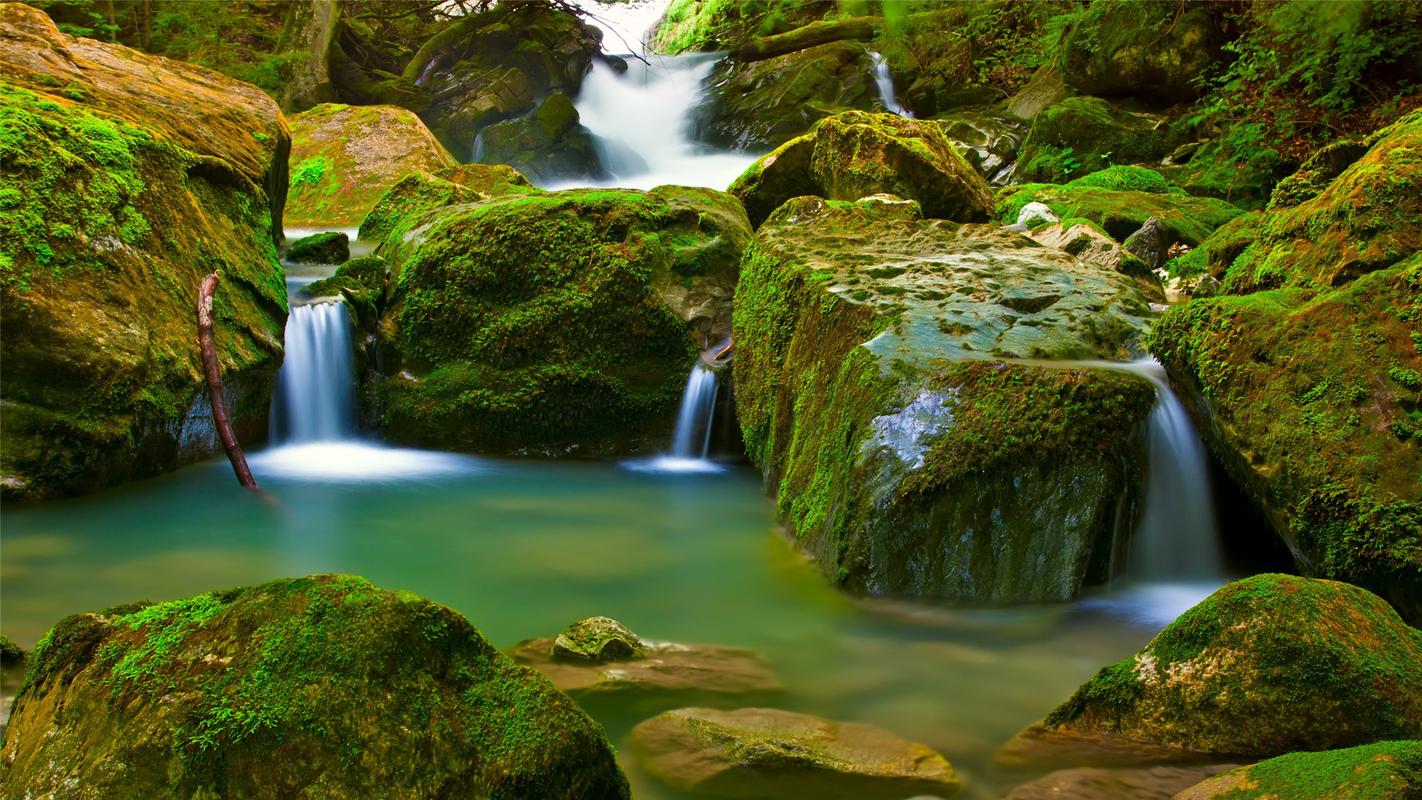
(642, 119)
(314, 398)
(885, 82)
(691, 443)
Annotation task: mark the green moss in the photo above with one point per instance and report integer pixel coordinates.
(1217, 253)
(1121, 212)
(1081, 135)
(1123, 178)
(310, 172)
(1381, 771)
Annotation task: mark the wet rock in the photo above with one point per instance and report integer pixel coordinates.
(1094, 247)
(251, 692)
(869, 372)
(1149, 244)
(345, 157)
(125, 179)
(762, 104)
(1383, 771)
(765, 752)
(856, 154)
(1096, 783)
(549, 144)
(1034, 213)
(329, 247)
(1266, 665)
(597, 640)
(988, 141)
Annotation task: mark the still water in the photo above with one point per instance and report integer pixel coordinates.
(523, 548)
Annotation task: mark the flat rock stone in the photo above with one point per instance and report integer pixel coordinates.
(664, 668)
(769, 753)
(1095, 783)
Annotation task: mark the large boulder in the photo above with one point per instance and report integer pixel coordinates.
(1264, 666)
(552, 322)
(756, 105)
(124, 179)
(286, 689)
(345, 157)
(1153, 51)
(1079, 135)
(499, 64)
(908, 455)
(419, 196)
(857, 154)
(765, 752)
(1381, 771)
(548, 145)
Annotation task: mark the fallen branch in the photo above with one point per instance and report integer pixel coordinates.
(214, 384)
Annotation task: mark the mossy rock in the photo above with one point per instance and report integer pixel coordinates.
(1264, 666)
(766, 752)
(329, 247)
(1154, 51)
(345, 157)
(1363, 220)
(414, 198)
(10, 653)
(701, 26)
(274, 690)
(557, 322)
(762, 104)
(857, 154)
(1121, 212)
(1080, 135)
(1217, 252)
(362, 282)
(548, 145)
(112, 209)
(1380, 771)
(908, 455)
(598, 640)
(1313, 400)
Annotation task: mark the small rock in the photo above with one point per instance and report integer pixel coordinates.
(1148, 243)
(598, 640)
(331, 247)
(1036, 212)
(766, 752)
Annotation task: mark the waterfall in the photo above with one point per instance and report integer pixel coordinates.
(698, 406)
(642, 120)
(1176, 538)
(885, 82)
(315, 398)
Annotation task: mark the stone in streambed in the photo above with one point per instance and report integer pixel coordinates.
(1098, 783)
(597, 640)
(766, 752)
(325, 684)
(329, 247)
(1382, 771)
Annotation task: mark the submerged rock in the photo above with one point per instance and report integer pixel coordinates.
(876, 392)
(1264, 666)
(267, 691)
(547, 145)
(762, 104)
(330, 247)
(124, 179)
(765, 752)
(345, 157)
(549, 322)
(857, 154)
(1382, 771)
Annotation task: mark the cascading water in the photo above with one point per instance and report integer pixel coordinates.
(643, 119)
(885, 82)
(698, 407)
(314, 395)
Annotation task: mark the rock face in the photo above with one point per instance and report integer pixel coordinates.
(857, 154)
(1382, 771)
(547, 145)
(764, 752)
(331, 247)
(761, 104)
(1079, 135)
(1264, 666)
(1345, 320)
(283, 689)
(988, 141)
(125, 178)
(345, 157)
(1147, 50)
(549, 322)
(499, 64)
(907, 455)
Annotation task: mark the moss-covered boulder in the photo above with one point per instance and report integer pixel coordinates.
(598, 640)
(857, 154)
(1381, 771)
(549, 144)
(414, 199)
(756, 105)
(361, 281)
(699, 26)
(553, 322)
(328, 247)
(1154, 51)
(908, 455)
(286, 688)
(1120, 199)
(499, 64)
(1080, 135)
(345, 157)
(125, 178)
(765, 752)
(1213, 256)
(1264, 666)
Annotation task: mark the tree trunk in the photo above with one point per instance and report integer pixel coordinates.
(214, 384)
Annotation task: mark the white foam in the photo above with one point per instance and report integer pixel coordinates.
(672, 465)
(356, 462)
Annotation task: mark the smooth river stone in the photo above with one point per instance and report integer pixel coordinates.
(665, 668)
(769, 753)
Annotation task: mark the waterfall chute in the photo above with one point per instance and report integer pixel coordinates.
(315, 398)
(885, 81)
